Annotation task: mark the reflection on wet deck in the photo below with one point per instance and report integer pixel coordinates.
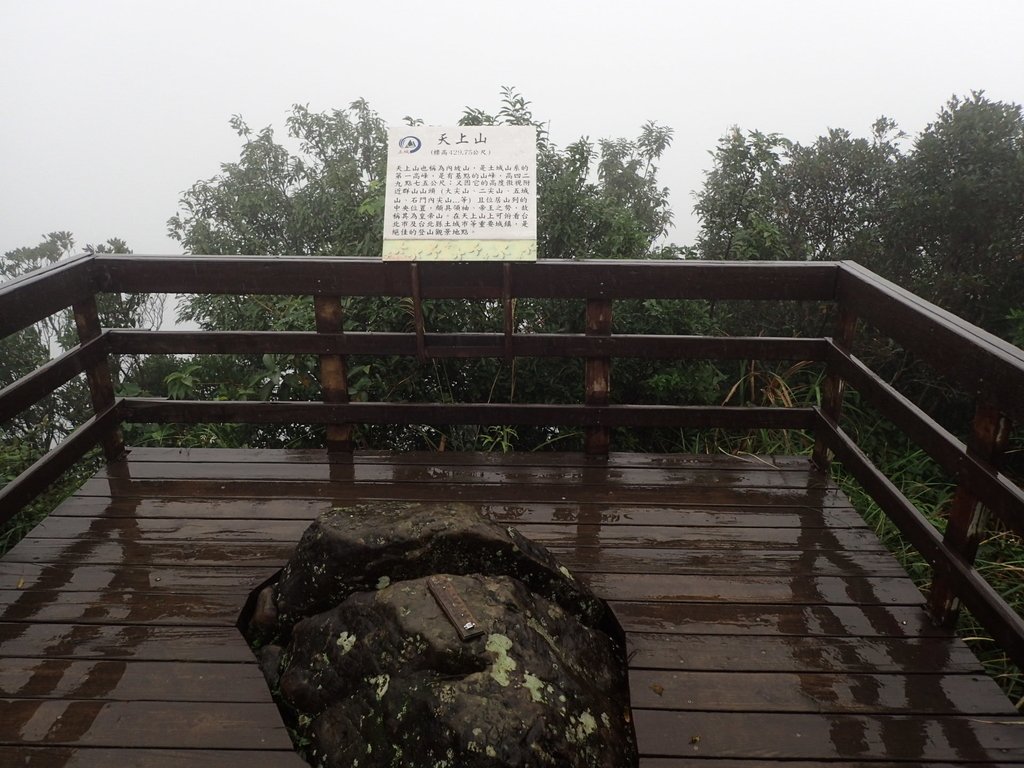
(766, 625)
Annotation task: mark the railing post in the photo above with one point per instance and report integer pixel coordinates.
(101, 384)
(333, 374)
(597, 373)
(968, 517)
(834, 386)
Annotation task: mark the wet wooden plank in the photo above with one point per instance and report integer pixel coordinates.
(121, 680)
(71, 577)
(813, 692)
(580, 558)
(662, 513)
(614, 560)
(225, 554)
(609, 476)
(123, 641)
(713, 653)
(97, 757)
(792, 590)
(687, 537)
(119, 606)
(699, 537)
(778, 620)
(887, 738)
(713, 762)
(128, 530)
(449, 458)
(780, 590)
(340, 491)
(178, 725)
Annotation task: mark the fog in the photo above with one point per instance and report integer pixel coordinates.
(112, 109)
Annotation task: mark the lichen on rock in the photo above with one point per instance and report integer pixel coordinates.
(373, 673)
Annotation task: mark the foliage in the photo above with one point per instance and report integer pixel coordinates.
(944, 218)
(594, 200)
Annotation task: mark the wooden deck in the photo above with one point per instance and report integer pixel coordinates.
(766, 624)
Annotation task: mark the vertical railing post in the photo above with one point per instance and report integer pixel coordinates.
(101, 384)
(968, 517)
(834, 386)
(597, 373)
(333, 374)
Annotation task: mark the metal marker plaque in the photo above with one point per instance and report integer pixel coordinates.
(454, 607)
(461, 193)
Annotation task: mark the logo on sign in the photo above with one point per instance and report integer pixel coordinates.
(409, 144)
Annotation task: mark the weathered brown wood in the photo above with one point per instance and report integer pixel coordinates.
(597, 372)
(98, 757)
(121, 680)
(704, 461)
(773, 589)
(333, 372)
(80, 577)
(579, 559)
(798, 654)
(754, 620)
(334, 276)
(834, 384)
(34, 386)
(685, 537)
(142, 724)
(812, 692)
(614, 513)
(457, 345)
(27, 300)
(633, 478)
(345, 491)
(159, 553)
(101, 385)
(647, 761)
(613, 561)
(889, 739)
(968, 516)
(55, 640)
(115, 606)
(738, 611)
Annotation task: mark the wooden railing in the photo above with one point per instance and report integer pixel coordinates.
(987, 368)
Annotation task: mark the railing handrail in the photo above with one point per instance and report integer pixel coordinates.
(35, 296)
(344, 276)
(982, 363)
(988, 368)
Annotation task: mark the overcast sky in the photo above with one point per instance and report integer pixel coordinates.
(110, 109)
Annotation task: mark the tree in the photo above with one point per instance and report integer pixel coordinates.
(327, 198)
(944, 219)
(960, 211)
(739, 202)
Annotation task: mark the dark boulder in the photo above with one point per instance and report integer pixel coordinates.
(367, 546)
(369, 670)
(383, 679)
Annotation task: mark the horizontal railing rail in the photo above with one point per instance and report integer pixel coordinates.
(333, 276)
(456, 345)
(986, 368)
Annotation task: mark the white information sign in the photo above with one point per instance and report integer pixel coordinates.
(461, 193)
